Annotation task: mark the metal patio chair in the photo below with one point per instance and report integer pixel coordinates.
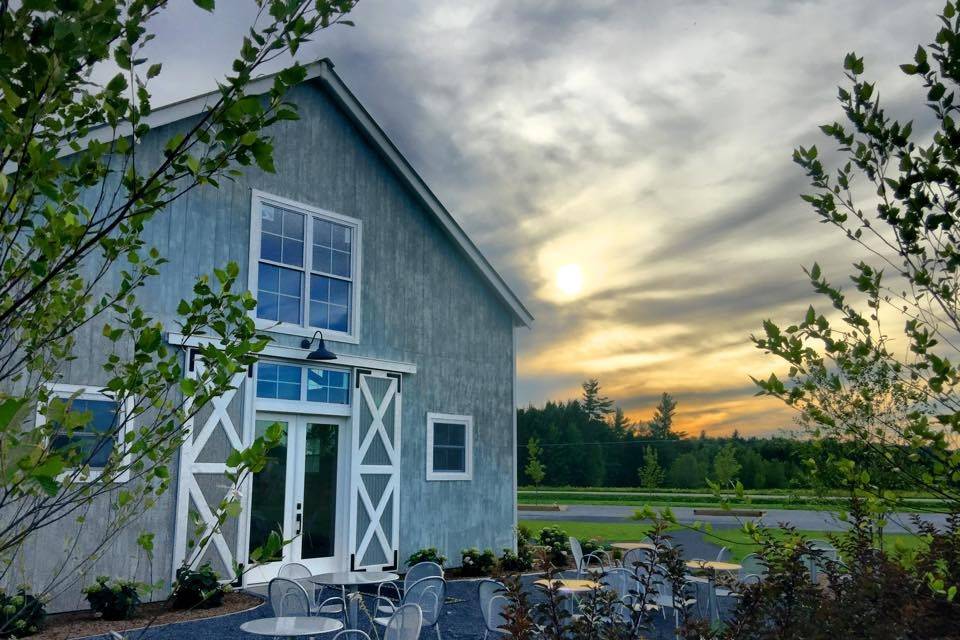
(487, 589)
(636, 559)
(299, 573)
(429, 594)
(416, 572)
(495, 617)
(404, 624)
(288, 598)
(583, 562)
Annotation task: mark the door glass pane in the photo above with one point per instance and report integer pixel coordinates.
(319, 491)
(269, 493)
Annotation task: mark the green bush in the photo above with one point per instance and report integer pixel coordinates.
(520, 561)
(555, 540)
(113, 599)
(430, 554)
(21, 614)
(198, 588)
(473, 562)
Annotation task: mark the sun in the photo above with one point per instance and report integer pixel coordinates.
(570, 279)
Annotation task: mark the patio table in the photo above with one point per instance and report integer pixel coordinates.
(291, 626)
(571, 587)
(630, 546)
(711, 567)
(352, 581)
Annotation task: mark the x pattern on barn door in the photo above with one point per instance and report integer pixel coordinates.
(210, 436)
(375, 476)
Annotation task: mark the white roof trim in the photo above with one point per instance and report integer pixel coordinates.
(322, 70)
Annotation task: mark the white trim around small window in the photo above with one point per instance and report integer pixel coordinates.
(84, 392)
(456, 461)
(305, 288)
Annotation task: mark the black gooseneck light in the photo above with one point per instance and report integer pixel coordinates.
(321, 352)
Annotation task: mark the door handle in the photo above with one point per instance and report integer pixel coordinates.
(299, 523)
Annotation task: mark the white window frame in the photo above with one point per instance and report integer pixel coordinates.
(258, 199)
(467, 422)
(302, 405)
(124, 412)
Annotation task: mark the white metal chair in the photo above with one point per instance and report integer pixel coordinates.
(288, 598)
(583, 561)
(817, 562)
(300, 574)
(417, 572)
(629, 591)
(495, 617)
(429, 594)
(487, 589)
(404, 624)
(637, 559)
(752, 568)
(352, 634)
(722, 554)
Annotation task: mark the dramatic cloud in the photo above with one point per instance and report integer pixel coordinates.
(642, 146)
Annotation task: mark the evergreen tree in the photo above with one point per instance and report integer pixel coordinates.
(661, 427)
(621, 424)
(651, 474)
(595, 405)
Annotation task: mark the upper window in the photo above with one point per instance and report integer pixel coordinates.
(311, 384)
(449, 447)
(100, 434)
(307, 262)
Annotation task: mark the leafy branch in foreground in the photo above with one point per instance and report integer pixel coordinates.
(76, 195)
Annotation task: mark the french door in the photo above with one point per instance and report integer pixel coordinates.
(299, 494)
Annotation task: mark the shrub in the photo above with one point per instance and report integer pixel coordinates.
(555, 540)
(430, 554)
(591, 545)
(520, 561)
(198, 588)
(113, 599)
(21, 614)
(473, 562)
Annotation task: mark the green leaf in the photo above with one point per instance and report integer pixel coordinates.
(206, 5)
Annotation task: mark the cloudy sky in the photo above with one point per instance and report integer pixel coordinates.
(625, 165)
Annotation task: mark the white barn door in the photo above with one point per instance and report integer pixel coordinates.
(211, 435)
(375, 471)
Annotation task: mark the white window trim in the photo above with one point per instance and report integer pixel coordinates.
(303, 405)
(85, 392)
(467, 422)
(257, 199)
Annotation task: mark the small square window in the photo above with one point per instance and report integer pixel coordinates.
(328, 385)
(94, 442)
(449, 447)
(278, 381)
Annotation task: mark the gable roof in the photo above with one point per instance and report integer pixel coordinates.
(322, 73)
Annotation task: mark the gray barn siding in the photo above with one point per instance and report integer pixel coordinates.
(422, 302)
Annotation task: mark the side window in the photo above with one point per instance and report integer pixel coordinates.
(95, 437)
(449, 447)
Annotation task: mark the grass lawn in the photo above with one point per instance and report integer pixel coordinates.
(603, 531)
(740, 543)
(737, 541)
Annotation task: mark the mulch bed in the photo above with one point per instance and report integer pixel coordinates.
(79, 624)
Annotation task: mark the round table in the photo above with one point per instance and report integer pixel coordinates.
(570, 586)
(291, 627)
(630, 546)
(352, 581)
(712, 566)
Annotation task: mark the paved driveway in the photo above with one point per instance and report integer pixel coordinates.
(801, 519)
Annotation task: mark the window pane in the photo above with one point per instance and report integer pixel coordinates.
(289, 310)
(338, 319)
(267, 304)
(268, 277)
(290, 282)
(270, 247)
(321, 232)
(319, 288)
(292, 252)
(341, 264)
(287, 391)
(270, 220)
(321, 259)
(266, 389)
(288, 373)
(319, 315)
(341, 238)
(449, 459)
(293, 225)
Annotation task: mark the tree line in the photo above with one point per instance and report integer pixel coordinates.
(589, 441)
